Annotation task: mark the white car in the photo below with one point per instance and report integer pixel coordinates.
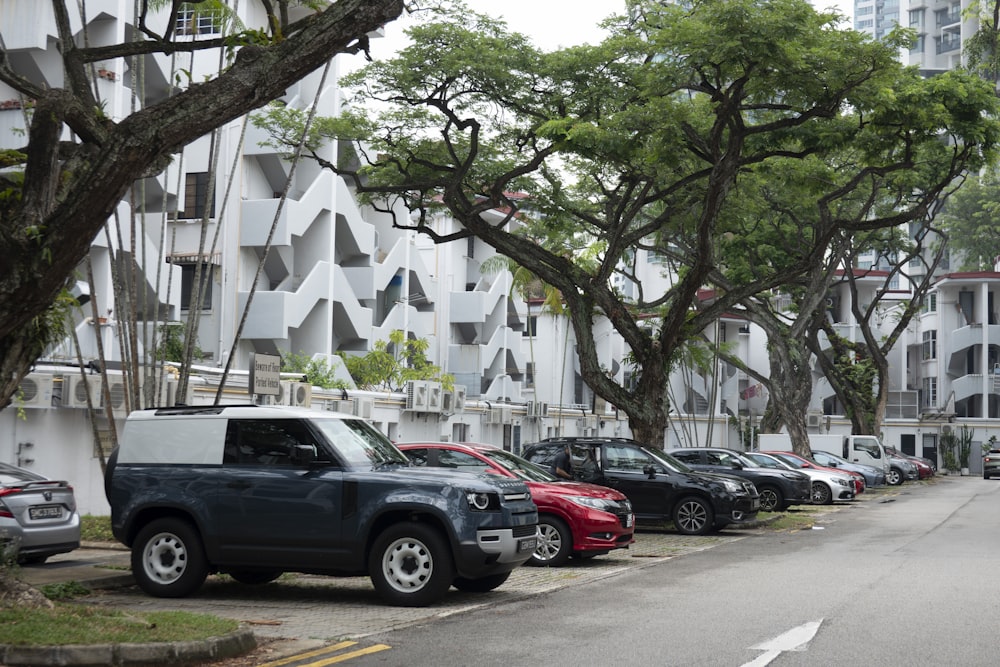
(826, 486)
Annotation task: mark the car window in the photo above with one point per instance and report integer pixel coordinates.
(265, 441)
(522, 468)
(722, 459)
(622, 458)
(767, 461)
(792, 461)
(668, 461)
(543, 455)
(449, 458)
(418, 457)
(869, 445)
(687, 457)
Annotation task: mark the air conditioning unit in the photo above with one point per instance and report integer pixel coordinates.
(118, 389)
(494, 416)
(542, 409)
(75, 389)
(364, 407)
(813, 420)
(417, 395)
(945, 430)
(35, 391)
(529, 409)
(459, 405)
(448, 402)
(434, 396)
(300, 394)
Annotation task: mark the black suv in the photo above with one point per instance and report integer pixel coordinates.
(660, 487)
(778, 488)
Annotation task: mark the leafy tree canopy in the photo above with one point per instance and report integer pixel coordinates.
(692, 127)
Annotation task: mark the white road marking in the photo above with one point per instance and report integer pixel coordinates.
(793, 640)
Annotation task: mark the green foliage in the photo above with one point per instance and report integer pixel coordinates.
(71, 623)
(66, 590)
(96, 529)
(948, 446)
(171, 346)
(391, 363)
(316, 371)
(971, 218)
(964, 445)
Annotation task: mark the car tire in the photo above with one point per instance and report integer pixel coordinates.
(555, 542)
(821, 494)
(481, 585)
(254, 577)
(31, 560)
(168, 559)
(895, 477)
(693, 516)
(410, 565)
(771, 499)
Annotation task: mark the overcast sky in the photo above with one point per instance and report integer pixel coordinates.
(549, 23)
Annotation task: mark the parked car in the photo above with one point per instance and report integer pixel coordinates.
(574, 518)
(826, 486)
(779, 489)
(802, 463)
(38, 516)
(925, 467)
(660, 487)
(991, 463)
(901, 470)
(873, 476)
(254, 491)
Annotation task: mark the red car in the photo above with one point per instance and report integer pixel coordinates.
(574, 518)
(804, 463)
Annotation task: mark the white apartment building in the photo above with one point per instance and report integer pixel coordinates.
(338, 277)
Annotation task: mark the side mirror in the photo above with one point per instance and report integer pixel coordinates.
(303, 454)
(650, 471)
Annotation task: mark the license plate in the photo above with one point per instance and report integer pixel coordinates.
(527, 545)
(45, 512)
(629, 520)
(755, 506)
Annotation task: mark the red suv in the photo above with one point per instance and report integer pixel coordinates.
(574, 518)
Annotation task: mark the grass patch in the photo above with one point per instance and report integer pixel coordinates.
(787, 521)
(83, 624)
(96, 529)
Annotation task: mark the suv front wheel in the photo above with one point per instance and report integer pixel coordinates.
(410, 565)
(168, 560)
(693, 516)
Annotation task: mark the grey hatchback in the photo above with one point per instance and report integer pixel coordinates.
(991, 463)
(38, 516)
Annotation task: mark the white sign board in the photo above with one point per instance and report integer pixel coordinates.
(265, 374)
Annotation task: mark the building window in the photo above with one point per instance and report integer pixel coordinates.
(187, 285)
(470, 250)
(531, 328)
(196, 196)
(194, 20)
(529, 374)
(928, 398)
(930, 303)
(929, 348)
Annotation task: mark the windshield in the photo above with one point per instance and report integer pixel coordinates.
(768, 461)
(522, 468)
(357, 443)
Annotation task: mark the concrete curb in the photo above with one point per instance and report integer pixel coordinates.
(135, 655)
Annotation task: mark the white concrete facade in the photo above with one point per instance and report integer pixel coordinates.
(339, 276)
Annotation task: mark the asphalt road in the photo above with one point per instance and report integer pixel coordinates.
(906, 581)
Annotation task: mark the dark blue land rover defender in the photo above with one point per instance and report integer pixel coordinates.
(255, 491)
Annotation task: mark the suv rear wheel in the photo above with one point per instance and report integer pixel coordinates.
(410, 565)
(481, 585)
(168, 560)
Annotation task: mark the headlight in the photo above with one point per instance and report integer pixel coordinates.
(842, 481)
(731, 486)
(481, 501)
(594, 503)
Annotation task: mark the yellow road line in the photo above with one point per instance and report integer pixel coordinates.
(302, 659)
